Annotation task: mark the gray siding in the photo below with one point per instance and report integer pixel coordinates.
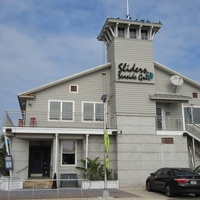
(133, 98)
(133, 50)
(90, 89)
(164, 85)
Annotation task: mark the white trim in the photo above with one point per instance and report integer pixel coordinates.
(71, 131)
(68, 165)
(70, 91)
(171, 133)
(94, 103)
(61, 104)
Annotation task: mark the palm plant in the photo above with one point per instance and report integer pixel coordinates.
(95, 170)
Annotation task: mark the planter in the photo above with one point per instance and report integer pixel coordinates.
(99, 184)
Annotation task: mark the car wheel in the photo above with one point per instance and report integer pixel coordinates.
(168, 191)
(148, 186)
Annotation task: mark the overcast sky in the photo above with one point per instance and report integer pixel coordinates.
(45, 40)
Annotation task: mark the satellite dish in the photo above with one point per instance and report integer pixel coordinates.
(176, 80)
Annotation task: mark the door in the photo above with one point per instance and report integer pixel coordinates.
(39, 161)
(160, 117)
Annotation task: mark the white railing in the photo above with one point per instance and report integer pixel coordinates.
(65, 120)
(169, 123)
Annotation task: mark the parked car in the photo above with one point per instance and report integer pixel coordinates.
(174, 181)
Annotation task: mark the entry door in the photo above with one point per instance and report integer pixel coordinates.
(39, 161)
(160, 117)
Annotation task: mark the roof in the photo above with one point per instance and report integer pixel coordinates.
(167, 96)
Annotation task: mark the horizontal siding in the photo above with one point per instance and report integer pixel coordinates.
(133, 50)
(133, 98)
(164, 85)
(90, 89)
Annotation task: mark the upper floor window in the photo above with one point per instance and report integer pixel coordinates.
(132, 33)
(121, 32)
(144, 34)
(93, 111)
(68, 152)
(61, 110)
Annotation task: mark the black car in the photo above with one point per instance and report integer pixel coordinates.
(197, 169)
(174, 181)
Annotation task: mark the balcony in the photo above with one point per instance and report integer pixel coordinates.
(78, 120)
(65, 120)
(169, 124)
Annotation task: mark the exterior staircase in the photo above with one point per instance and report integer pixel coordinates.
(39, 183)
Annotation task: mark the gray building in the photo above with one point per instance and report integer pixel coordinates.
(151, 114)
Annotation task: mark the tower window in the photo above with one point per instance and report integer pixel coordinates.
(121, 32)
(144, 34)
(132, 33)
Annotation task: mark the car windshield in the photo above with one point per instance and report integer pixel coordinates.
(184, 172)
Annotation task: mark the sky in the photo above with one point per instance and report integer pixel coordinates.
(45, 40)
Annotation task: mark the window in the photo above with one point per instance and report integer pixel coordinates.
(194, 95)
(73, 88)
(61, 110)
(144, 34)
(132, 33)
(93, 111)
(68, 152)
(192, 114)
(121, 32)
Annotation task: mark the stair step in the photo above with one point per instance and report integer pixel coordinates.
(38, 183)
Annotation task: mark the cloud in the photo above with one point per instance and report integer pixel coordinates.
(42, 41)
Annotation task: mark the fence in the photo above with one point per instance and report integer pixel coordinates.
(13, 189)
(19, 189)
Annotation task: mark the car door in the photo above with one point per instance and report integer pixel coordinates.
(161, 178)
(157, 179)
(165, 178)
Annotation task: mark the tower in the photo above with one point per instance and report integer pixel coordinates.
(130, 50)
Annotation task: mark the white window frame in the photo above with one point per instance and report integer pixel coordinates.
(70, 91)
(60, 119)
(61, 150)
(94, 103)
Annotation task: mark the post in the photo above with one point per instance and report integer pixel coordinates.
(105, 191)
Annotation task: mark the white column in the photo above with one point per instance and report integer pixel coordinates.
(86, 149)
(56, 155)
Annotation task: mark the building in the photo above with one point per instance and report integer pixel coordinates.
(151, 113)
